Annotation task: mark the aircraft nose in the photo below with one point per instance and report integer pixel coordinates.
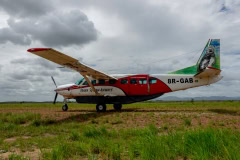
(66, 87)
(58, 89)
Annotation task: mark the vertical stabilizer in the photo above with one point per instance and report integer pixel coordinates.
(210, 58)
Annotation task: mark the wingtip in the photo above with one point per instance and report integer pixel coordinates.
(37, 49)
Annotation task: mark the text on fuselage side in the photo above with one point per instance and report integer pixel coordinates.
(181, 80)
(98, 90)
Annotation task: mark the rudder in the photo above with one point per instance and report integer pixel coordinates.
(210, 56)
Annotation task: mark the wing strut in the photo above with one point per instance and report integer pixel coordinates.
(90, 84)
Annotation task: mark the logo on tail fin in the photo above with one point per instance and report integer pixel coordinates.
(210, 56)
(209, 59)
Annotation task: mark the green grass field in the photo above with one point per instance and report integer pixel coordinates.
(149, 130)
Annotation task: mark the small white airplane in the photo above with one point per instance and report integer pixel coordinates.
(99, 88)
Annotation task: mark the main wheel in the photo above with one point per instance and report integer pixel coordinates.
(65, 107)
(117, 107)
(101, 107)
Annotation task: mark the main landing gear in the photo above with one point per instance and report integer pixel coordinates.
(101, 107)
(65, 106)
(117, 107)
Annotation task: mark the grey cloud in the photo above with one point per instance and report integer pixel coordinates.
(45, 63)
(224, 9)
(18, 76)
(42, 63)
(53, 30)
(11, 87)
(153, 26)
(31, 74)
(9, 35)
(26, 8)
(18, 91)
(32, 70)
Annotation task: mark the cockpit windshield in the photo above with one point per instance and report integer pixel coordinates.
(79, 81)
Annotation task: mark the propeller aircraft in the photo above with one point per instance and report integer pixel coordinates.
(100, 88)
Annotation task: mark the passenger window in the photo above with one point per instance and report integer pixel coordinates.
(85, 83)
(133, 81)
(142, 81)
(94, 82)
(124, 81)
(101, 81)
(112, 81)
(152, 81)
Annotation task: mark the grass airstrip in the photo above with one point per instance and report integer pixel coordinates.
(149, 130)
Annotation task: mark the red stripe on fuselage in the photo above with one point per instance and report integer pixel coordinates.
(132, 89)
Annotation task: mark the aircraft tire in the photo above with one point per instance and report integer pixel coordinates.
(101, 107)
(65, 107)
(117, 107)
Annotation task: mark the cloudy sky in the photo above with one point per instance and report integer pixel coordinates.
(114, 36)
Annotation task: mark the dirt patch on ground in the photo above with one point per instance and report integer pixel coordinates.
(13, 139)
(33, 155)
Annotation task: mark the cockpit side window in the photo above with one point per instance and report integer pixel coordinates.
(79, 81)
(85, 83)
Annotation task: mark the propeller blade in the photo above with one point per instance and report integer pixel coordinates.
(55, 98)
(54, 81)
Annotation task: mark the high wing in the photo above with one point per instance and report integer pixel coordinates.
(69, 62)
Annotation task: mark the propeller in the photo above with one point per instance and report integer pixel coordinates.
(54, 81)
(56, 95)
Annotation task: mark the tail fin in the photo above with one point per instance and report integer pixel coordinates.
(210, 56)
(209, 59)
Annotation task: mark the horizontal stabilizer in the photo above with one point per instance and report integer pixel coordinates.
(208, 72)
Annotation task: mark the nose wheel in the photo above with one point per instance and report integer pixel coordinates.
(65, 107)
(101, 107)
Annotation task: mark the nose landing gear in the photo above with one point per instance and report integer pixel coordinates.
(65, 106)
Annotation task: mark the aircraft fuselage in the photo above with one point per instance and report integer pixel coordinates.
(131, 88)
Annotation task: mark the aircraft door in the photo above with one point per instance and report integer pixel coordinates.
(153, 85)
(138, 85)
